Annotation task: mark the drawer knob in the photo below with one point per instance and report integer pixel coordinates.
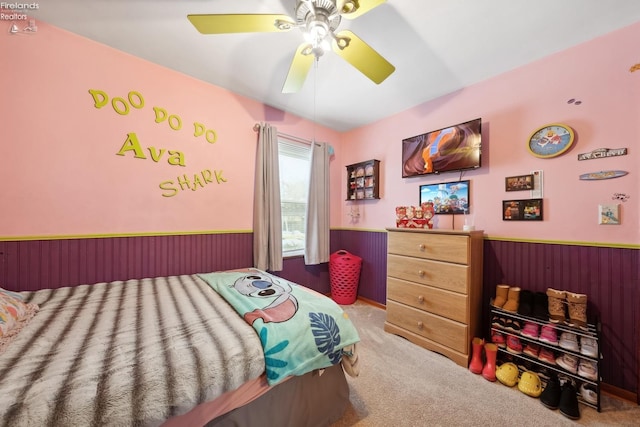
(421, 273)
(420, 325)
(420, 299)
(421, 246)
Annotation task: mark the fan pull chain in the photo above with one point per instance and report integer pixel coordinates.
(315, 87)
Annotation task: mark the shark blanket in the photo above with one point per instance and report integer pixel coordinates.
(300, 329)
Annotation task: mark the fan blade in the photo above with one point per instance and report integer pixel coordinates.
(299, 69)
(241, 23)
(351, 9)
(362, 56)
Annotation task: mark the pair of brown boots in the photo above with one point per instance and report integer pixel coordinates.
(507, 298)
(563, 302)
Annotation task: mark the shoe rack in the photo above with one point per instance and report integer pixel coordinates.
(592, 331)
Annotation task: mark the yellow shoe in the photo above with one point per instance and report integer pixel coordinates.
(530, 384)
(507, 374)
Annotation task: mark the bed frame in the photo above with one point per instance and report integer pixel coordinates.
(313, 399)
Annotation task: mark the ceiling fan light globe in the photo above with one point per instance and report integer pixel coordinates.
(325, 45)
(316, 32)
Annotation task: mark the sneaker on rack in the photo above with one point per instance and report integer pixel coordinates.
(549, 335)
(547, 355)
(498, 339)
(588, 393)
(569, 341)
(568, 362)
(514, 345)
(543, 373)
(530, 330)
(498, 322)
(513, 325)
(524, 365)
(588, 346)
(588, 369)
(531, 349)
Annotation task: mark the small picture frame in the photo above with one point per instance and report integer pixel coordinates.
(518, 183)
(522, 210)
(609, 214)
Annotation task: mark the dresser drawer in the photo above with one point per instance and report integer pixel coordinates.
(452, 277)
(444, 303)
(449, 248)
(444, 331)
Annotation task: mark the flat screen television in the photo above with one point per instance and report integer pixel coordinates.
(447, 198)
(450, 149)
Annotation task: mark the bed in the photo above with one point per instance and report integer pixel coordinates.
(187, 350)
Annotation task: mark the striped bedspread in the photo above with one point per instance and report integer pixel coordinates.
(125, 354)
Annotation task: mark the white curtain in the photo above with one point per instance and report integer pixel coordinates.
(316, 249)
(267, 213)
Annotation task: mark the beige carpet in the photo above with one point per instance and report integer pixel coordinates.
(401, 384)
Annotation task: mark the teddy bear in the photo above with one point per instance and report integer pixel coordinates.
(428, 213)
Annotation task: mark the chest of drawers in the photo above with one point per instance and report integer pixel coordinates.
(434, 289)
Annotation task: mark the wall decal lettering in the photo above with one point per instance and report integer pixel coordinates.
(183, 183)
(209, 134)
(174, 121)
(120, 105)
(132, 146)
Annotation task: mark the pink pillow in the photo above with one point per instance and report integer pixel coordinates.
(14, 315)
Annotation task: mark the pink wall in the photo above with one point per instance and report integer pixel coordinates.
(66, 179)
(512, 106)
(61, 175)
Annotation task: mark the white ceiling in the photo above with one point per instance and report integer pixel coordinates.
(437, 46)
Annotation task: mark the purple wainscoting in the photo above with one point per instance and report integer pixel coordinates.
(609, 276)
(370, 246)
(39, 264)
(315, 277)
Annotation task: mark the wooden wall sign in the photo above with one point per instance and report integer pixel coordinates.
(602, 175)
(601, 153)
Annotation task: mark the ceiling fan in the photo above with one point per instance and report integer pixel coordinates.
(319, 20)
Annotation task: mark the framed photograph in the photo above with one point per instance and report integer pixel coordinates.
(522, 210)
(518, 183)
(609, 214)
(447, 198)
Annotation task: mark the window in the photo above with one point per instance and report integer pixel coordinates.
(294, 163)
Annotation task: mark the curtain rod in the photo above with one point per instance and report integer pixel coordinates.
(256, 127)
